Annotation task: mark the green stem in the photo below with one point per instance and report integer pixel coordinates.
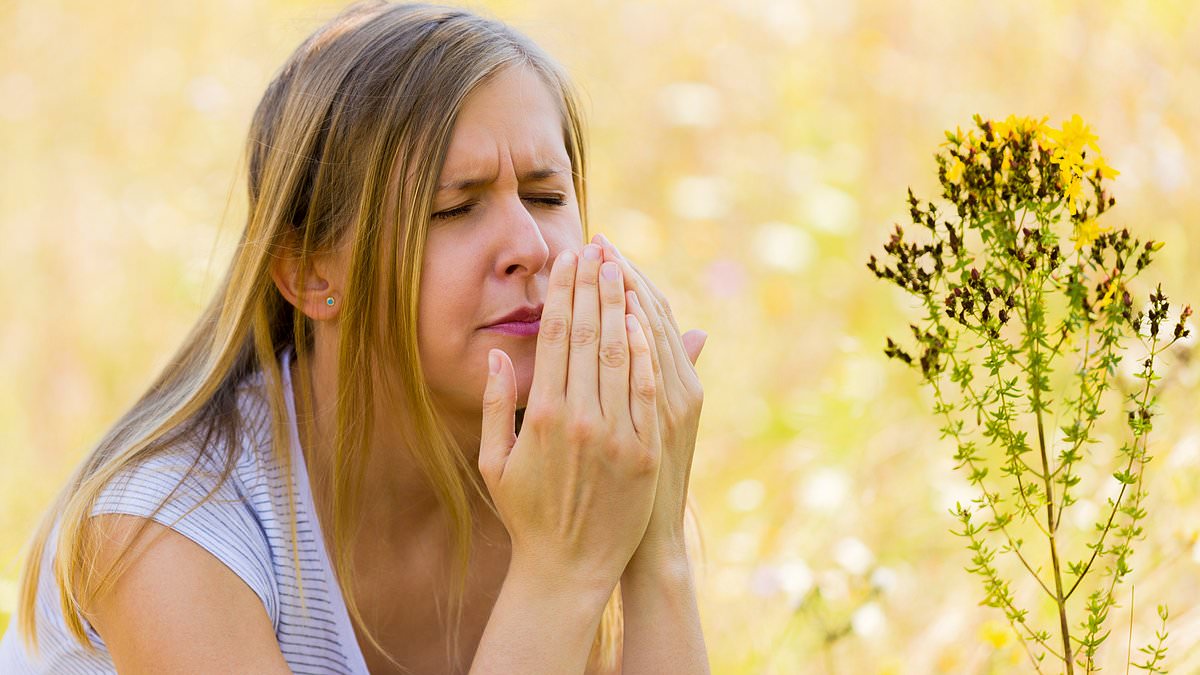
(1060, 598)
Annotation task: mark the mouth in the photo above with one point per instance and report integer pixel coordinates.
(522, 328)
(524, 321)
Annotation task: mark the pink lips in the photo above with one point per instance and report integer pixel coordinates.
(522, 321)
(521, 328)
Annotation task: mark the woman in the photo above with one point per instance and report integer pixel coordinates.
(352, 463)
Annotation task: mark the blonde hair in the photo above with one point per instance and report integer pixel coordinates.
(345, 146)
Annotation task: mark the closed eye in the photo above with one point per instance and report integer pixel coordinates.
(466, 208)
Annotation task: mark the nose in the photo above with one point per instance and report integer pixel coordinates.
(522, 248)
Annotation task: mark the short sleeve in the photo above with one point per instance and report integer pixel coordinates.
(222, 524)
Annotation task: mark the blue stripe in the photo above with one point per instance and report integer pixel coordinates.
(244, 525)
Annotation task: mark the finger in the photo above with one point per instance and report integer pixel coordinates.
(554, 334)
(673, 359)
(635, 308)
(659, 334)
(612, 253)
(643, 391)
(498, 434)
(583, 364)
(614, 344)
(694, 341)
(681, 365)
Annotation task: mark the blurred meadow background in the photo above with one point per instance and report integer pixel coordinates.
(749, 155)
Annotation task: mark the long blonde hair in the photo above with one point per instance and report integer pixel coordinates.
(367, 103)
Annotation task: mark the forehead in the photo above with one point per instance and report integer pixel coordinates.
(512, 114)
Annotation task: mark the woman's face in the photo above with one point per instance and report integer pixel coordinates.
(505, 208)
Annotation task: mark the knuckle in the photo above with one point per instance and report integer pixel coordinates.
(493, 401)
(587, 277)
(581, 428)
(646, 388)
(584, 333)
(645, 461)
(612, 294)
(536, 417)
(554, 329)
(640, 347)
(562, 278)
(658, 325)
(613, 354)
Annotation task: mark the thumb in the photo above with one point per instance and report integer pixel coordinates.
(498, 435)
(693, 342)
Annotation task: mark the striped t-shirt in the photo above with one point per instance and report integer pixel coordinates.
(244, 525)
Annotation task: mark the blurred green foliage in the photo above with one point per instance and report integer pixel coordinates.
(749, 155)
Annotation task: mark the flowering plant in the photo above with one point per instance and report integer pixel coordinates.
(1028, 312)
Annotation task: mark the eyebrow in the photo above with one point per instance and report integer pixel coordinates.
(472, 183)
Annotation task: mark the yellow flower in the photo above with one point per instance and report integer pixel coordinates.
(955, 173)
(1106, 171)
(1069, 144)
(1085, 234)
(1035, 127)
(1075, 135)
(1108, 297)
(995, 633)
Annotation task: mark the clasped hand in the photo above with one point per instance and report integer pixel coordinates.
(595, 485)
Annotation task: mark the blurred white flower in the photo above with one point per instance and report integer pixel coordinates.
(869, 620)
(787, 19)
(765, 581)
(690, 104)
(1186, 452)
(746, 495)
(853, 555)
(954, 490)
(783, 246)
(1084, 513)
(884, 578)
(795, 579)
(829, 209)
(825, 490)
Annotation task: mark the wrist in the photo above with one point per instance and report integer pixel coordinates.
(668, 564)
(577, 584)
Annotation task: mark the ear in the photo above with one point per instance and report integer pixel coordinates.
(322, 282)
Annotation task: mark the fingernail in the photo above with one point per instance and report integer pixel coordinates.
(611, 245)
(493, 363)
(609, 270)
(566, 258)
(591, 252)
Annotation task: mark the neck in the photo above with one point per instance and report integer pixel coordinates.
(397, 498)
